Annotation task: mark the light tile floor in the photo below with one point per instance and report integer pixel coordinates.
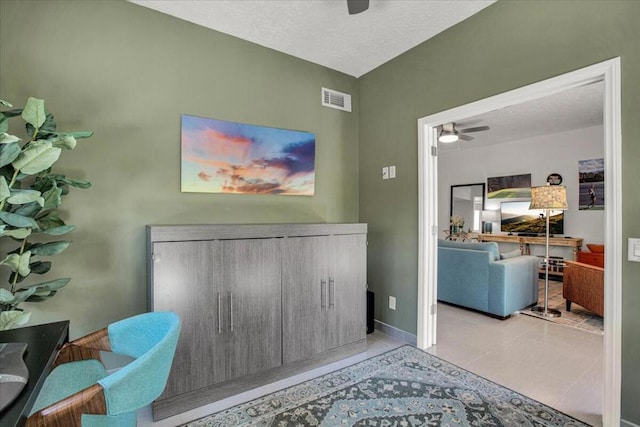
(554, 364)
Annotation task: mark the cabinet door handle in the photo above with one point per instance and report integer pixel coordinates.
(323, 294)
(332, 293)
(219, 313)
(231, 311)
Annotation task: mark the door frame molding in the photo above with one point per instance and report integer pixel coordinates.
(607, 72)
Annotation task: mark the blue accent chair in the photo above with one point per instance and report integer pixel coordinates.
(80, 392)
(472, 275)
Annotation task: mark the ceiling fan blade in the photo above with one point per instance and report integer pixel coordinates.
(468, 122)
(357, 6)
(476, 129)
(465, 137)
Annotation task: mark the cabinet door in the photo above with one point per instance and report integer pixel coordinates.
(253, 318)
(184, 282)
(304, 297)
(347, 289)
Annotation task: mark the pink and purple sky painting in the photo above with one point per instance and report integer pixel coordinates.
(227, 157)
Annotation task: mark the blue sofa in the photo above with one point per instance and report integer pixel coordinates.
(473, 275)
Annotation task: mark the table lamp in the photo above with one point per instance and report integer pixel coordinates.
(488, 218)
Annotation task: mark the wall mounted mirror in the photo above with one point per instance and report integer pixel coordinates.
(467, 202)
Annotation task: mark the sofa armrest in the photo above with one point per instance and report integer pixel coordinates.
(513, 284)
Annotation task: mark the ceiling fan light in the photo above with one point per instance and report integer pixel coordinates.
(447, 137)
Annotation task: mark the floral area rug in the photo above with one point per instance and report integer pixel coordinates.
(578, 317)
(404, 387)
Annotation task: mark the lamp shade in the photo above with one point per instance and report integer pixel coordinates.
(549, 197)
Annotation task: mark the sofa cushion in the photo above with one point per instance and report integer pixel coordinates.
(491, 247)
(510, 254)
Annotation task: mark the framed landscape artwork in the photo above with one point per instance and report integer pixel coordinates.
(591, 184)
(227, 157)
(509, 187)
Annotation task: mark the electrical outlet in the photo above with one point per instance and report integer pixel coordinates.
(392, 303)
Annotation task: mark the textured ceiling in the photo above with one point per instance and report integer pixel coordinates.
(322, 31)
(572, 109)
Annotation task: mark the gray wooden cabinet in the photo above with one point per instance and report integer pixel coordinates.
(324, 293)
(227, 294)
(256, 302)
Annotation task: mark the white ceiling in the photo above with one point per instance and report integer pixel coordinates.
(572, 109)
(322, 31)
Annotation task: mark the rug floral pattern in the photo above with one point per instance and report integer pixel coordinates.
(405, 387)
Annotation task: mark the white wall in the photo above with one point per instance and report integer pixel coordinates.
(540, 156)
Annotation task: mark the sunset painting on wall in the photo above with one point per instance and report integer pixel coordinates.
(227, 157)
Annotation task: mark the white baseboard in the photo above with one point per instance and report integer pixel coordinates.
(625, 423)
(394, 332)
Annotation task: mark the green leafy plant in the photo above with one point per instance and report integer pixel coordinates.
(30, 195)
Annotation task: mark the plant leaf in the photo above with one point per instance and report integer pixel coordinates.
(64, 141)
(12, 113)
(51, 285)
(52, 198)
(18, 221)
(59, 231)
(50, 220)
(18, 263)
(40, 267)
(21, 197)
(50, 248)
(23, 265)
(5, 138)
(38, 156)
(4, 189)
(47, 130)
(61, 179)
(41, 298)
(12, 261)
(81, 134)
(4, 123)
(29, 209)
(5, 296)
(17, 233)
(9, 319)
(34, 113)
(21, 296)
(9, 152)
(5, 103)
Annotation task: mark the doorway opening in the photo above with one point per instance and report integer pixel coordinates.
(609, 73)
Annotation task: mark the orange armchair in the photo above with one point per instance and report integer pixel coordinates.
(584, 285)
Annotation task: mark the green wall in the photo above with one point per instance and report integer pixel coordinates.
(505, 46)
(128, 73)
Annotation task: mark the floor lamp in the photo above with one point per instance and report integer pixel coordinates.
(548, 197)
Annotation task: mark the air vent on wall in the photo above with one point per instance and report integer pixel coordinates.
(334, 99)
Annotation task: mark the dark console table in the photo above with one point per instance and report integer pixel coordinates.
(43, 341)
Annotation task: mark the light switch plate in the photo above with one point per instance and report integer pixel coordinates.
(385, 172)
(634, 250)
(392, 172)
(392, 303)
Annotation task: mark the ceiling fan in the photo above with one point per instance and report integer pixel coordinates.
(451, 132)
(357, 6)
